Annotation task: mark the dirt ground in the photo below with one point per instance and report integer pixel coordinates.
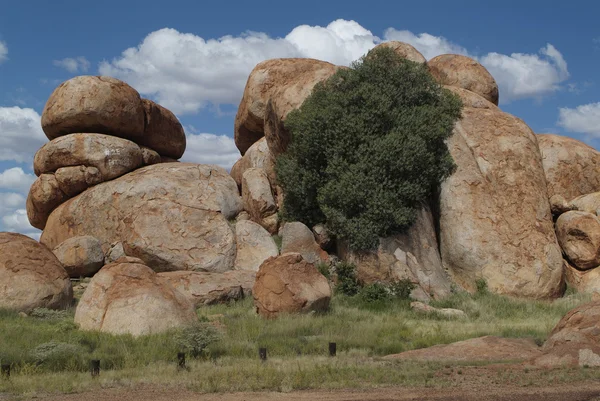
(579, 392)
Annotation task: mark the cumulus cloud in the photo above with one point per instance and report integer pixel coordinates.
(16, 179)
(73, 65)
(583, 119)
(17, 221)
(21, 134)
(185, 72)
(527, 75)
(3, 52)
(210, 149)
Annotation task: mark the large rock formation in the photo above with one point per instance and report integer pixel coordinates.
(173, 216)
(254, 245)
(412, 256)
(163, 132)
(127, 297)
(572, 168)
(94, 104)
(287, 82)
(495, 221)
(466, 73)
(579, 237)
(202, 288)
(31, 276)
(289, 284)
(575, 341)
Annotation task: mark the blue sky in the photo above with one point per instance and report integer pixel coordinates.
(194, 57)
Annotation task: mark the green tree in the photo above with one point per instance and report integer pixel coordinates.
(368, 148)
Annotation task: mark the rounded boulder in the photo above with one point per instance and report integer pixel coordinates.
(578, 234)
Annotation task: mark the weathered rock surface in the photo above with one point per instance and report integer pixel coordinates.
(575, 341)
(257, 196)
(572, 168)
(112, 156)
(149, 156)
(466, 73)
(203, 288)
(173, 216)
(80, 256)
(298, 238)
(163, 132)
(446, 312)
(495, 220)
(471, 99)
(413, 256)
(127, 297)
(257, 156)
(31, 276)
(584, 281)
(404, 50)
(115, 252)
(44, 196)
(482, 349)
(94, 104)
(76, 179)
(254, 245)
(578, 234)
(288, 82)
(587, 203)
(559, 205)
(289, 284)
(322, 236)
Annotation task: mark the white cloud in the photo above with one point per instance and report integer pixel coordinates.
(185, 72)
(527, 75)
(430, 46)
(21, 134)
(73, 65)
(211, 149)
(16, 179)
(17, 221)
(584, 119)
(3, 52)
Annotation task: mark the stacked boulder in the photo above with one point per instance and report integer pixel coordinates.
(493, 219)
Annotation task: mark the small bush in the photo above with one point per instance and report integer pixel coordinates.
(347, 282)
(55, 356)
(48, 314)
(196, 338)
(368, 147)
(481, 287)
(401, 289)
(323, 268)
(375, 292)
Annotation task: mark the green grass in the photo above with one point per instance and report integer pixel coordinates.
(297, 345)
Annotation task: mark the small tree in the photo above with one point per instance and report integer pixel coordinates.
(368, 148)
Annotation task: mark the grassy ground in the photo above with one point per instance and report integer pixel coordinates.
(48, 353)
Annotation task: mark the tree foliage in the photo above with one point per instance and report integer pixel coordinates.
(368, 148)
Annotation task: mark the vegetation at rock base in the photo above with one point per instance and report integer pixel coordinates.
(51, 354)
(368, 148)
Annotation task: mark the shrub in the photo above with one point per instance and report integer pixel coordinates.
(323, 268)
(368, 148)
(481, 286)
(347, 282)
(401, 289)
(375, 292)
(194, 339)
(55, 356)
(48, 314)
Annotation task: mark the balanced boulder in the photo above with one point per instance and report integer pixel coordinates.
(466, 73)
(44, 196)
(579, 237)
(404, 50)
(495, 220)
(94, 104)
(471, 99)
(73, 180)
(202, 288)
(257, 156)
(127, 297)
(173, 216)
(31, 276)
(254, 245)
(163, 132)
(80, 256)
(298, 238)
(258, 197)
(289, 284)
(572, 168)
(288, 82)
